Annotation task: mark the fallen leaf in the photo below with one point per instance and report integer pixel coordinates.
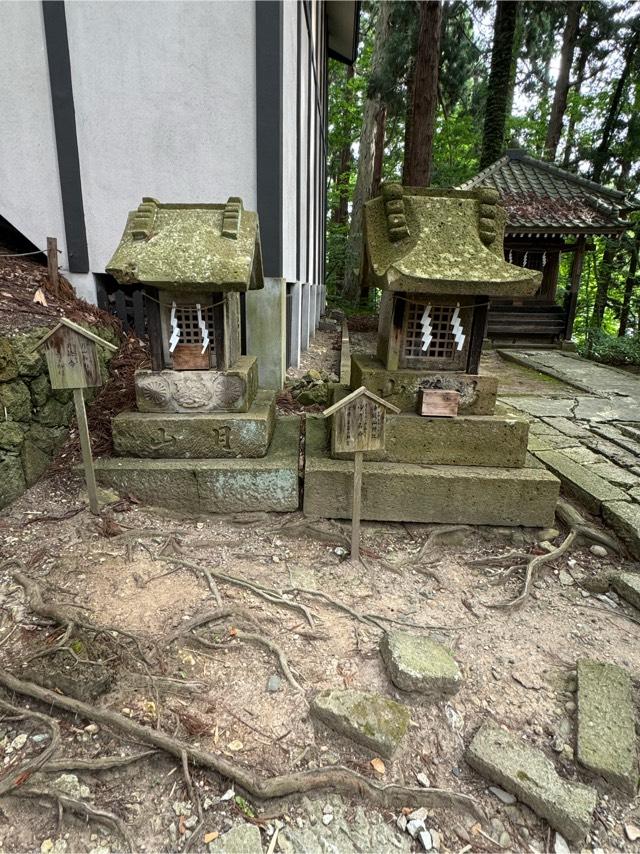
(235, 745)
(476, 828)
(378, 765)
(181, 826)
(632, 831)
(216, 734)
(39, 297)
(209, 837)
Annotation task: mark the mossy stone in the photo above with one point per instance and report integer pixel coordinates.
(34, 462)
(11, 436)
(55, 414)
(15, 401)
(12, 482)
(40, 389)
(417, 663)
(47, 439)
(8, 364)
(30, 362)
(371, 720)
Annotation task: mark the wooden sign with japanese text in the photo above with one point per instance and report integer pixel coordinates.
(72, 360)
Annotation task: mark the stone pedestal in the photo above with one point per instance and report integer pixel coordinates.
(214, 435)
(401, 387)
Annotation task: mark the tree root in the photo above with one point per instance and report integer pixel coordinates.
(533, 566)
(108, 819)
(186, 629)
(16, 778)
(250, 637)
(573, 520)
(102, 763)
(58, 615)
(337, 779)
(270, 594)
(361, 618)
(436, 534)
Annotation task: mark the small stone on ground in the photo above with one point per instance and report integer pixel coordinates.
(417, 663)
(241, 839)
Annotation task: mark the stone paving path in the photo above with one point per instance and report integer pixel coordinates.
(590, 440)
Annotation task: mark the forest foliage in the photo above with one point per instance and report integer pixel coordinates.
(560, 80)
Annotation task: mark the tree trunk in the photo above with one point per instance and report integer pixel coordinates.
(407, 120)
(364, 179)
(495, 118)
(340, 213)
(629, 287)
(605, 277)
(424, 103)
(569, 38)
(573, 112)
(602, 152)
(378, 155)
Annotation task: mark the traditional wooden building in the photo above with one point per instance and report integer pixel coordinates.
(549, 212)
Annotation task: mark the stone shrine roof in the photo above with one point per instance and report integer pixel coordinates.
(542, 198)
(441, 241)
(190, 247)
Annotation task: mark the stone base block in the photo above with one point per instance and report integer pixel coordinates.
(212, 435)
(402, 492)
(624, 518)
(198, 391)
(214, 485)
(401, 387)
(467, 440)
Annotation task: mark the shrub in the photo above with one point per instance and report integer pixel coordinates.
(612, 350)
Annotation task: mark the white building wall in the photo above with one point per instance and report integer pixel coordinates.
(29, 185)
(165, 106)
(289, 146)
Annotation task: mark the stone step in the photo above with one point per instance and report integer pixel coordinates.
(624, 518)
(627, 585)
(608, 431)
(606, 724)
(211, 435)
(527, 773)
(466, 440)
(579, 481)
(213, 485)
(402, 492)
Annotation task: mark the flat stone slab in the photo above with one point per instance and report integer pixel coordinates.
(214, 435)
(371, 720)
(527, 773)
(579, 481)
(627, 585)
(606, 724)
(270, 483)
(467, 440)
(624, 518)
(401, 387)
(403, 492)
(417, 663)
(241, 839)
(198, 391)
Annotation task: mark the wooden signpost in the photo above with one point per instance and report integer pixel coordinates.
(72, 359)
(358, 426)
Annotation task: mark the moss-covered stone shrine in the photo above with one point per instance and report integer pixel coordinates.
(437, 256)
(201, 438)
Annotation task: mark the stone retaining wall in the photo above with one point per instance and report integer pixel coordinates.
(34, 419)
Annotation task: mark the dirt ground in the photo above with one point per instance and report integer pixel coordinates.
(518, 668)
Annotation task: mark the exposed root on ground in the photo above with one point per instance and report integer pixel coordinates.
(270, 594)
(58, 615)
(17, 777)
(337, 779)
(573, 520)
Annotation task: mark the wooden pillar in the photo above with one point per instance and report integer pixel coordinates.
(217, 300)
(52, 264)
(85, 447)
(478, 330)
(571, 299)
(154, 328)
(357, 501)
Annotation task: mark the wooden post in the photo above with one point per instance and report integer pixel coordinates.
(571, 301)
(85, 445)
(154, 329)
(355, 513)
(52, 264)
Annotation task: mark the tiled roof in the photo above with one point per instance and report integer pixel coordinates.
(542, 198)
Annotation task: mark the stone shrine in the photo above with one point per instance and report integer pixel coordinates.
(437, 256)
(204, 436)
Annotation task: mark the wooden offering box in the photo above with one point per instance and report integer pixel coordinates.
(438, 402)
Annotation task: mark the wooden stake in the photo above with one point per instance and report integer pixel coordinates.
(52, 264)
(85, 445)
(355, 513)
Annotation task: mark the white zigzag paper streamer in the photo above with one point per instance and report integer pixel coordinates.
(425, 321)
(456, 327)
(203, 329)
(176, 331)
